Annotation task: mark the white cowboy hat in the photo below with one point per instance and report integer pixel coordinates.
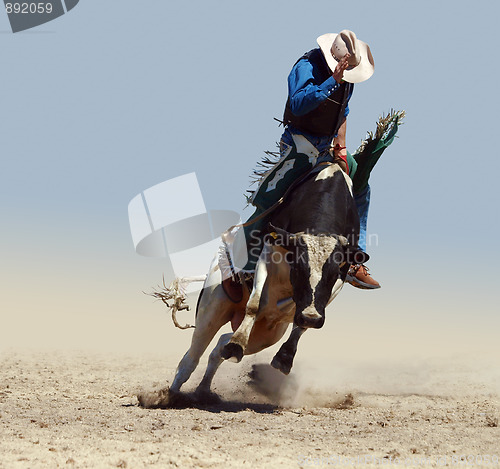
(335, 46)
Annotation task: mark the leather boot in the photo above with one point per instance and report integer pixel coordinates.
(359, 277)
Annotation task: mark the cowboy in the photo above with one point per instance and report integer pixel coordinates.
(320, 86)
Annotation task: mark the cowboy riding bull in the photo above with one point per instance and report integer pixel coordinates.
(307, 221)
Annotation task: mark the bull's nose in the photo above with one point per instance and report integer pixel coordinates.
(309, 318)
(311, 314)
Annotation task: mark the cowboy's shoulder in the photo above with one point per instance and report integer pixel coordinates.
(313, 56)
(309, 61)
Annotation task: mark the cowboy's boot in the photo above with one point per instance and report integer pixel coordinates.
(359, 277)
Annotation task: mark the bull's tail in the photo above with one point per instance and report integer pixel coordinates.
(174, 296)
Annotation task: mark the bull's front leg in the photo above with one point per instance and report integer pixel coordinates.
(235, 349)
(283, 360)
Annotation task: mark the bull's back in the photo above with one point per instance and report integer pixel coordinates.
(322, 204)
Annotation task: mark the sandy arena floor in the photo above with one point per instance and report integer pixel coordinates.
(75, 409)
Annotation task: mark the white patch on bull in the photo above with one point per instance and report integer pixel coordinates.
(305, 147)
(319, 249)
(329, 171)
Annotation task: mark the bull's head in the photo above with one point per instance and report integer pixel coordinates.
(318, 263)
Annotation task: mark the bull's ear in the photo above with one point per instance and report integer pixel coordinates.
(281, 237)
(355, 255)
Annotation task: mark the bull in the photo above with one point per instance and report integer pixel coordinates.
(311, 244)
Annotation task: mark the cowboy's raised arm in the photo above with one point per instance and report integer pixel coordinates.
(303, 93)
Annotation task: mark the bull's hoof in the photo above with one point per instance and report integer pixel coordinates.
(232, 352)
(308, 322)
(282, 363)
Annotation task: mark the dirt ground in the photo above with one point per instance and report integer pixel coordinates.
(76, 409)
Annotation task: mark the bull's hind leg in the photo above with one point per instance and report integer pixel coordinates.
(190, 360)
(283, 360)
(214, 362)
(210, 318)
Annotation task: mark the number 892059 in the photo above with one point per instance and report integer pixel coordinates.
(28, 8)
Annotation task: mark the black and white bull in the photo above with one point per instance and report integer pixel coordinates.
(302, 267)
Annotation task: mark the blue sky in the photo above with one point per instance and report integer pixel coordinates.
(115, 97)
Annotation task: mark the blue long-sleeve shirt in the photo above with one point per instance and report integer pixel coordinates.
(307, 89)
